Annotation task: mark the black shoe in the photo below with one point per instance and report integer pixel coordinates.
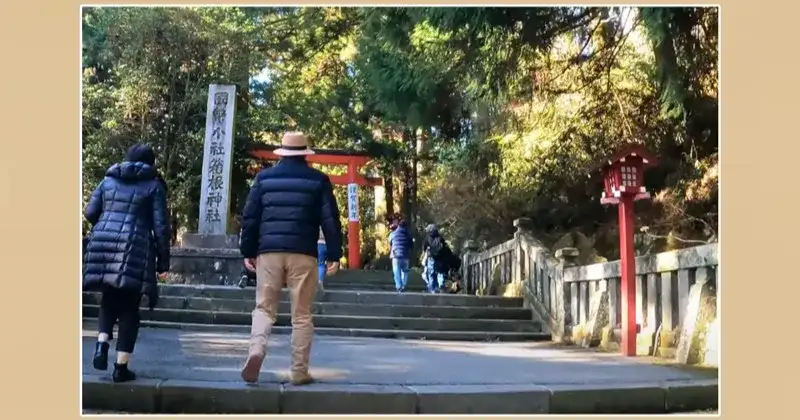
(122, 374)
(243, 282)
(100, 360)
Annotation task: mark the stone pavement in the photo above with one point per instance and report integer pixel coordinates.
(198, 372)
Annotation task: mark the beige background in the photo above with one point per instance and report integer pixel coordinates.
(40, 209)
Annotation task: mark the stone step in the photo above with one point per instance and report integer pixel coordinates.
(211, 268)
(335, 308)
(507, 336)
(350, 296)
(386, 287)
(372, 276)
(332, 283)
(368, 278)
(189, 316)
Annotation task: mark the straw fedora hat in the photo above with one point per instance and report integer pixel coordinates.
(294, 143)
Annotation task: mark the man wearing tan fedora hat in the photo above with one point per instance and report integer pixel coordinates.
(287, 205)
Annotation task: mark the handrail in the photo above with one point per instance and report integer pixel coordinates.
(560, 294)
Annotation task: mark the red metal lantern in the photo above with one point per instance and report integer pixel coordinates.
(623, 174)
(623, 179)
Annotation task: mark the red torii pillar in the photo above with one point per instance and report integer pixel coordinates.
(352, 179)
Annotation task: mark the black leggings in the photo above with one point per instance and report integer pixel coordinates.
(123, 306)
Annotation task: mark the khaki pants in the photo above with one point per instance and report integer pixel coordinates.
(299, 273)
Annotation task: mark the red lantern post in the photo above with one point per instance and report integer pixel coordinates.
(623, 176)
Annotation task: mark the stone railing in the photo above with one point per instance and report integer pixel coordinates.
(524, 267)
(673, 290)
(675, 294)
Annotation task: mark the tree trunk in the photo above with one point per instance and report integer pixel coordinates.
(388, 183)
(173, 218)
(408, 186)
(414, 171)
(405, 193)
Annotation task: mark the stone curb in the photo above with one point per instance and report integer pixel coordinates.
(469, 336)
(367, 322)
(334, 308)
(348, 296)
(172, 396)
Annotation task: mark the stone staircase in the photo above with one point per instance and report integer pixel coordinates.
(354, 303)
(368, 280)
(447, 361)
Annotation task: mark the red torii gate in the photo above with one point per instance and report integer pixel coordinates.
(352, 179)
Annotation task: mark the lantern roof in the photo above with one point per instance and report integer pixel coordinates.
(648, 159)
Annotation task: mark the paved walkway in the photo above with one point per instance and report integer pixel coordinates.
(185, 371)
(199, 356)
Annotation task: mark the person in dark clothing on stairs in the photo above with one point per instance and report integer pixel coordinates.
(450, 264)
(128, 248)
(247, 278)
(435, 263)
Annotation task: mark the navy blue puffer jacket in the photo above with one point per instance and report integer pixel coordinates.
(130, 236)
(286, 206)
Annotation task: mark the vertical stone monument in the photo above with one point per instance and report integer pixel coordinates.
(215, 191)
(211, 255)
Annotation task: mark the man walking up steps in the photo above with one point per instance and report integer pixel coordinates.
(287, 205)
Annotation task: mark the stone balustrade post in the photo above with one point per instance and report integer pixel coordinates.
(567, 257)
(468, 253)
(520, 269)
(701, 310)
(523, 226)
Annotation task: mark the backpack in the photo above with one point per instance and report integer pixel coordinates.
(436, 246)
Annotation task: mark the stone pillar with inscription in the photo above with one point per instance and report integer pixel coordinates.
(215, 191)
(211, 255)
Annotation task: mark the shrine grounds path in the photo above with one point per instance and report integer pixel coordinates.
(184, 371)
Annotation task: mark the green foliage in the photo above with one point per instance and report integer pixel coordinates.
(484, 114)
(575, 99)
(146, 76)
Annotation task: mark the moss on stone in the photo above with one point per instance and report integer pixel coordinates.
(578, 333)
(608, 340)
(496, 280)
(512, 290)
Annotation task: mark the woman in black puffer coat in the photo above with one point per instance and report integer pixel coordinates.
(128, 245)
